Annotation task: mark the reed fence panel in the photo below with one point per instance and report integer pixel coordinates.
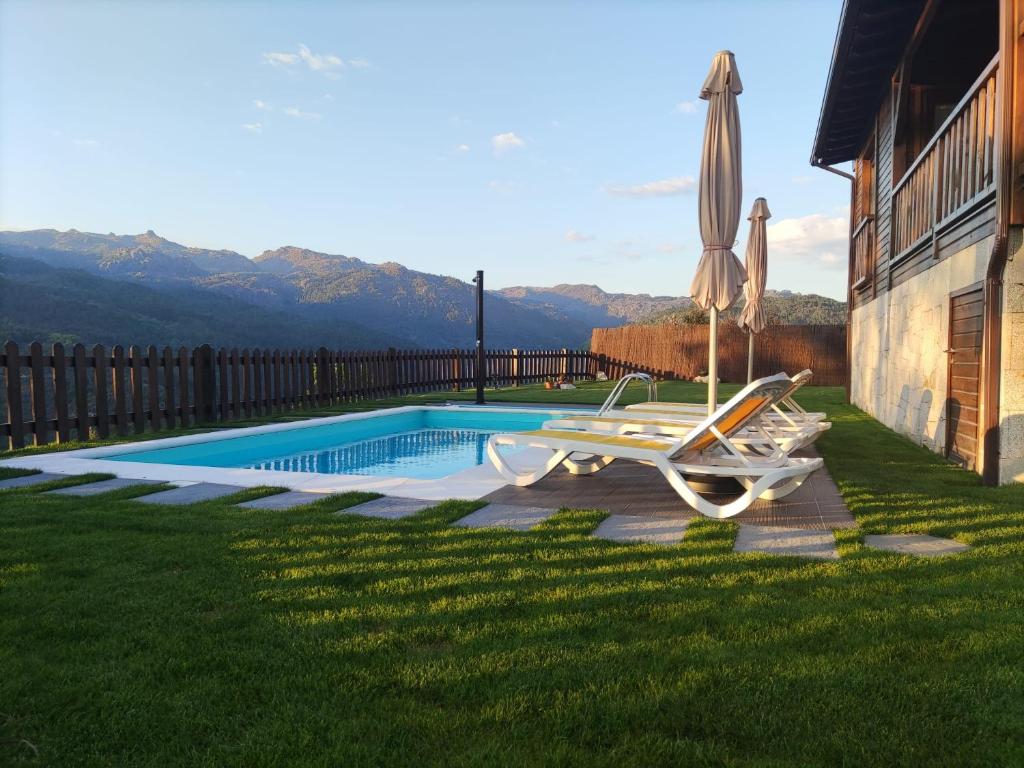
(681, 351)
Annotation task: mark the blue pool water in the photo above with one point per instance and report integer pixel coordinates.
(424, 444)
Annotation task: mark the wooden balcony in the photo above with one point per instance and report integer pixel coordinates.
(954, 173)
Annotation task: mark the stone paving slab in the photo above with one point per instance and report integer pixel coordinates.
(190, 494)
(101, 486)
(26, 481)
(389, 508)
(799, 542)
(284, 501)
(643, 528)
(916, 544)
(509, 516)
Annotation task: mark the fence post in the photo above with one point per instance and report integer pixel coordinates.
(14, 413)
(120, 395)
(81, 393)
(60, 392)
(204, 382)
(394, 387)
(517, 379)
(135, 375)
(99, 361)
(323, 378)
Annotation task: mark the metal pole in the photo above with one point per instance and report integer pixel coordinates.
(713, 362)
(750, 357)
(481, 362)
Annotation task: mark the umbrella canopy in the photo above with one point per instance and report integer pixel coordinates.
(752, 317)
(720, 276)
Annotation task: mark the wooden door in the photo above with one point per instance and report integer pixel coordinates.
(966, 319)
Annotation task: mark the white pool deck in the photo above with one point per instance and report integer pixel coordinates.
(470, 483)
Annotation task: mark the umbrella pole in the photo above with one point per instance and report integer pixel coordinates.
(713, 362)
(750, 357)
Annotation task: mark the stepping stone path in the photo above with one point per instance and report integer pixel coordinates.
(916, 544)
(506, 516)
(29, 480)
(800, 542)
(283, 501)
(101, 486)
(388, 508)
(190, 494)
(649, 530)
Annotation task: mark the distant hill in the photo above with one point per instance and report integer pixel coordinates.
(415, 309)
(781, 307)
(48, 304)
(147, 255)
(592, 305)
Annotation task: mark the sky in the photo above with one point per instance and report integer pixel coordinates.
(542, 142)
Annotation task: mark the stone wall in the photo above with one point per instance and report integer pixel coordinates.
(899, 366)
(1011, 394)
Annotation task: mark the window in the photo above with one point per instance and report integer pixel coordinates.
(864, 194)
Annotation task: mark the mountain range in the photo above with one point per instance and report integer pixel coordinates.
(96, 288)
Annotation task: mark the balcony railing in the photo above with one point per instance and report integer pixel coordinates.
(954, 172)
(863, 241)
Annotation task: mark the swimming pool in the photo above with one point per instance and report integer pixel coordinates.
(419, 443)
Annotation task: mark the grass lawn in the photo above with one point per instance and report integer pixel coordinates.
(205, 635)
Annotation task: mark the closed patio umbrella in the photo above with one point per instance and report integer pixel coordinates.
(720, 276)
(752, 318)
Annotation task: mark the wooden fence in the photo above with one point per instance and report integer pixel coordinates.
(63, 395)
(681, 351)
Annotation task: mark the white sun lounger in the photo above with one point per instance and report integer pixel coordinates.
(759, 437)
(707, 449)
(786, 411)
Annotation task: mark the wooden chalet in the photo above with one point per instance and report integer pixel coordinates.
(924, 98)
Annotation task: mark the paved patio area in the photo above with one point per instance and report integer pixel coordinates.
(634, 489)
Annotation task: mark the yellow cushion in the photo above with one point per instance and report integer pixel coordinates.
(736, 418)
(646, 422)
(591, 437)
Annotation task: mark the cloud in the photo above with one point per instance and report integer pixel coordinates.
(328, 97)
(281, 59)
(686, 107)
(503, 142)
(320, 61)
(816, 239)
(573, 236)
(260, 104)
(85, 143)
(328, 64)
(462, 148)
(296, 112)
(253, 127)
(677, 185)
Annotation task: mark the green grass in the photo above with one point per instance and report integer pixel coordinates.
(133, 635)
